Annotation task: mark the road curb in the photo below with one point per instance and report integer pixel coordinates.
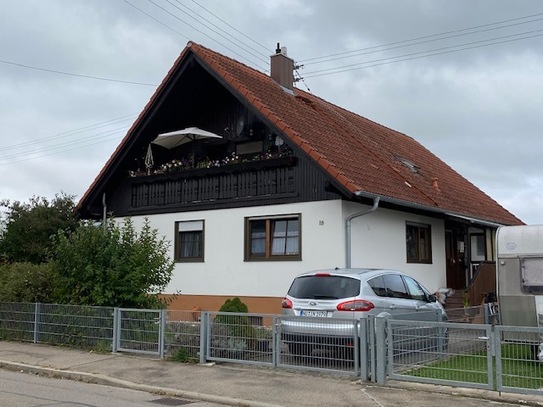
(96, 378)
(490, 395)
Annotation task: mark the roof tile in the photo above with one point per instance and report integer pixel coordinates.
(360, 154)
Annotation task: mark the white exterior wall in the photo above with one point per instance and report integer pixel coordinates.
(378, 240)
(225, 273)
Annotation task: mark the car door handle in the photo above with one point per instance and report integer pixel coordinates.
(392, 307)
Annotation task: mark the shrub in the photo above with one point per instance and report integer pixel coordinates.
(113, 266)
(234, 305)
(27, 282)
(235, 329)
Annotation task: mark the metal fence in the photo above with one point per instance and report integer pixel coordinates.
(139, 331)
(183, 339)
(519, 359)
(492, 357)
(467, 354)
(478, 314)
(440, 353)
(70, 325)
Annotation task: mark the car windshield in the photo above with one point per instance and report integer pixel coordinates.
(324, 287)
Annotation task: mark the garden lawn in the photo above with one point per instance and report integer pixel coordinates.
(518, 368)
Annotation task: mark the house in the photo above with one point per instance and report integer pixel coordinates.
(293, 183)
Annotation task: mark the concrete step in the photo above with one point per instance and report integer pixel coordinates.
(456, 300)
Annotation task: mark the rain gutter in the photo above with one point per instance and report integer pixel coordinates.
(476, 221)
(348, 222)
(104, 214)
(433, 209)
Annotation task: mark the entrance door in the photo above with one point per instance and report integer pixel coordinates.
(455, 272)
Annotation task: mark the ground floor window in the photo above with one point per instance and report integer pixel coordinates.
(418, 243)
(273, 238)
(478, 247)
(189, 241)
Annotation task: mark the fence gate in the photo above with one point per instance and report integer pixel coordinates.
(139, 331)
(519, 357)
(447, 353)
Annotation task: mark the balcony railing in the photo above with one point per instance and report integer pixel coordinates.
(260, 178)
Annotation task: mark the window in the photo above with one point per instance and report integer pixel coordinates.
(416, 292)
(189, 241)
(378, 286)
(396, 286)
(272, 238)
(532, 274)
(324, 287)
(477, 247)
(419, 243)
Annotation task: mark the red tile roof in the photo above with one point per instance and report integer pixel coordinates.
(360, 154)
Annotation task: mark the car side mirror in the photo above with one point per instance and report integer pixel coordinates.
(432, 298)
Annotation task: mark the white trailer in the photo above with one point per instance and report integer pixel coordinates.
(519, 279)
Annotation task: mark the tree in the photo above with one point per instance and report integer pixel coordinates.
(26, 282)
(113, 265)
(26, 228)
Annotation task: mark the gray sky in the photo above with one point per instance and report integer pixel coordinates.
(461, 77)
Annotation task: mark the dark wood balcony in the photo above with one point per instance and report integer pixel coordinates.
(254, 179)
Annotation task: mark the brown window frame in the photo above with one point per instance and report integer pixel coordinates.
(418, 242)
(267, 225)
(179, 242)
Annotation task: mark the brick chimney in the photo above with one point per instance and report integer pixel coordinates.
(282, 68)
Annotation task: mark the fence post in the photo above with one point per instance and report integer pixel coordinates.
(116, 330)
(37, 310)
(204, 318)
(276, 341)
(364, 343)
(381, 348)
(491, 355)
(497, 340)
(162, 333)
(372, 353)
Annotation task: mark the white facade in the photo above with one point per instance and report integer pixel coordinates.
(378, 240)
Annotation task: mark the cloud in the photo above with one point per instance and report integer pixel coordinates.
(478, 109)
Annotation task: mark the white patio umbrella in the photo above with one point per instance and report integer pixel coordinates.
(177, 138)
(149, 160)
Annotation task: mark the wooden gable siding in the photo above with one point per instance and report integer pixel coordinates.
(267, 182)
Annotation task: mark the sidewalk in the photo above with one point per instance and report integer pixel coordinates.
(239, 385)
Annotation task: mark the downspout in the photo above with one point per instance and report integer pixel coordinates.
(104, 214)
(348, 227)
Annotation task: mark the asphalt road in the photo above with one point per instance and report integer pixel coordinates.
(27, 390)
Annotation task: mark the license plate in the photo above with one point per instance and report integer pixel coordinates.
(309, 313)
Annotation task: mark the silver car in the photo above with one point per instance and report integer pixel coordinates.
(330, 302)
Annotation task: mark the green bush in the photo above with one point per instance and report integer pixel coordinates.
(27, 282)
(234, 305)
(235, 322)
(237, 326)
(114, 266)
